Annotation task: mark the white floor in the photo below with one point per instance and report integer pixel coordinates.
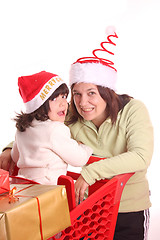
(153, 177)
(154, 229)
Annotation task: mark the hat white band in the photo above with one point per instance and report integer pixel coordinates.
(95, 73)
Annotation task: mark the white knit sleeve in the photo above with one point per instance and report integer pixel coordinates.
(68, 149)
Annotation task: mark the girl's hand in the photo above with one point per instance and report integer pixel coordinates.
(80, 187)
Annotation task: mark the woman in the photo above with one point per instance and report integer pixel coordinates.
(118, 128)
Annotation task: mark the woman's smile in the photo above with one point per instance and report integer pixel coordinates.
(87, 109)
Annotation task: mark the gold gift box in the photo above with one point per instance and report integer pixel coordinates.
(20, 220)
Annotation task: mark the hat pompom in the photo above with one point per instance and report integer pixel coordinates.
(110, 30)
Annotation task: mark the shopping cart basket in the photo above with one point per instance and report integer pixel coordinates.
(95, 217)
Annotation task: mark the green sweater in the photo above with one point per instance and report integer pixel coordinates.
(127, 147)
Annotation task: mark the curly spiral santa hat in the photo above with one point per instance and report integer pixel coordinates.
(96, 70)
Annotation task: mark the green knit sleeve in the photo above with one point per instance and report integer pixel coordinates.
(138, 132)
(10, 145)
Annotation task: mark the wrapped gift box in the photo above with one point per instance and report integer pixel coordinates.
(34, 212)
(4, 181)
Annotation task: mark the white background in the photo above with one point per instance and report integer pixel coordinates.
(49, 35)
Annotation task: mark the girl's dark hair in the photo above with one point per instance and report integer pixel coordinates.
(115, 102)
(24, 120)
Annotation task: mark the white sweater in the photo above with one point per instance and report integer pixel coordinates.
(44, 151)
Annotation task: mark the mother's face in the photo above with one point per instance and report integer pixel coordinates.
(89, 103)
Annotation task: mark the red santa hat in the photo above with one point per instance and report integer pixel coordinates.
(37, 88)
(96, 70)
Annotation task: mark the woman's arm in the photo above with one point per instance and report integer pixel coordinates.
(139, 149)
(138, 132)
(6, 162)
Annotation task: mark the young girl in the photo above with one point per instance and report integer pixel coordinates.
(43, 148)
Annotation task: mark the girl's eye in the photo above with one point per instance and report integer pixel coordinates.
(64, 96)
(54, 99)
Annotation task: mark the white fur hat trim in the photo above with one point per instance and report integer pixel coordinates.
(95, 73)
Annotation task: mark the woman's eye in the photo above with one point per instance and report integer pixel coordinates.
(76, 94)
(91, 93)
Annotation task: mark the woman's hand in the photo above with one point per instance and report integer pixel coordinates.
(80, 187)
(6, 162)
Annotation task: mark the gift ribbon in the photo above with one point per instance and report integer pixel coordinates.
(6, 189)
(14, 197)
(40, 219)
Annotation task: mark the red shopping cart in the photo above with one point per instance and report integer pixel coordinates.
(95, 217)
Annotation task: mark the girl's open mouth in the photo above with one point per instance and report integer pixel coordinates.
(61, 113)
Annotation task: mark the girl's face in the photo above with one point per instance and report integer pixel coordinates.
(58, 108)
(90, 105)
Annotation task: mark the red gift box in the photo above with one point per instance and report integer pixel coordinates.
(4, 181)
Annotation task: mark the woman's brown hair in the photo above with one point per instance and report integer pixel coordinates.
(24, 120)
(115, 102)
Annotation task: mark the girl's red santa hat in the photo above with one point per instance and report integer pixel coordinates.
(37, 88)
(96, 70)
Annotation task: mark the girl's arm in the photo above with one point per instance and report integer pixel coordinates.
(72, 152)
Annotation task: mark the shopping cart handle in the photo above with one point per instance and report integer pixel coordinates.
(74, 175)
(69, 184)
(93, 159)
